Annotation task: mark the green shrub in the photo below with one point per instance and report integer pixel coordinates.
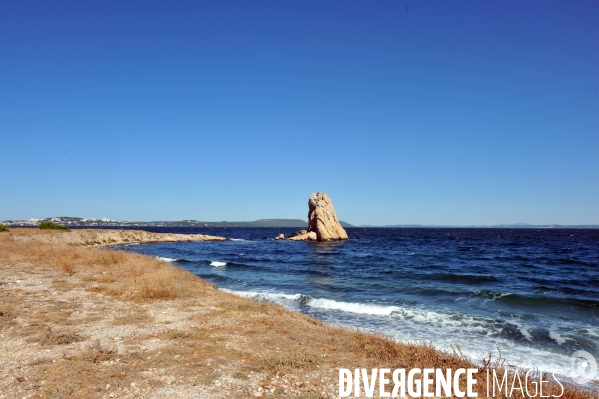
(53, 226)
(3, 228)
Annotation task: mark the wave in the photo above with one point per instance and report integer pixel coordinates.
(355, 307)
(351, 307)
(238, 239)
(539, 302)
(463, 278)
(523, 343)
(512, 329)
(553, 334)
(167, 259)
(218, 264)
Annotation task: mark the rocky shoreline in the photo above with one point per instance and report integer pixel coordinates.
(105, 237)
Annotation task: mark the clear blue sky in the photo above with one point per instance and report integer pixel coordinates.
(445, 112)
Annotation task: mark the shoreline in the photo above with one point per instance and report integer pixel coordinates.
(105, 237)
(78, 322)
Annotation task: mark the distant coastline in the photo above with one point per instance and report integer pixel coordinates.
(497, 226)
(92, 222)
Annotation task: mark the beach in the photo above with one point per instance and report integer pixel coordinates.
(86, 322)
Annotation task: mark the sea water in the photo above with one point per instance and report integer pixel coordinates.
(532, 293)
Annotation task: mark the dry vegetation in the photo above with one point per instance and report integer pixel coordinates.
(83, 323)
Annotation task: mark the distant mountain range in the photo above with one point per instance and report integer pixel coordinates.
(77, 221)
(497, 226)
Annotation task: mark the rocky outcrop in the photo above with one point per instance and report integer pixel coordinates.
(322, 221)
(280, 237)
(299, 233)
(100, 237)
(311, 236)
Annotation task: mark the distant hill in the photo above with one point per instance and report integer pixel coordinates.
(498, 226)
(255, 223)
(77, 221)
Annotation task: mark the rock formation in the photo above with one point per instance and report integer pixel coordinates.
(299, 233)
(305, 236)
(322, 221)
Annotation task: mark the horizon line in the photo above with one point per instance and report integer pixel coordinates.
(404, 225)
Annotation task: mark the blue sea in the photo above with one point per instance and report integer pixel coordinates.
(532, 293)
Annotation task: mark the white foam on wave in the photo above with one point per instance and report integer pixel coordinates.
(350, 307)
(361, 308)
(522, 328)
(269, 296)
(592, 332)
(218, 264)
(237, 239)
(554, 335)
(321, 303)
(497, 295)
(414, 316)
(166, 259)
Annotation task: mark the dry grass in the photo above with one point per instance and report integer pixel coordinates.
(23, 231)
(204, 335)
(129, 276)
(133, 317)
(63, 338)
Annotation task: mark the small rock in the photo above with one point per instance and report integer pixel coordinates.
(311, 236)
(280, 237)
(258, 394)
(299, 233)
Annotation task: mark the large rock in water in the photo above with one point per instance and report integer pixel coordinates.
(322, 219)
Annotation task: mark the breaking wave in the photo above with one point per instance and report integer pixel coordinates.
(162, 258)
(218, 264)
